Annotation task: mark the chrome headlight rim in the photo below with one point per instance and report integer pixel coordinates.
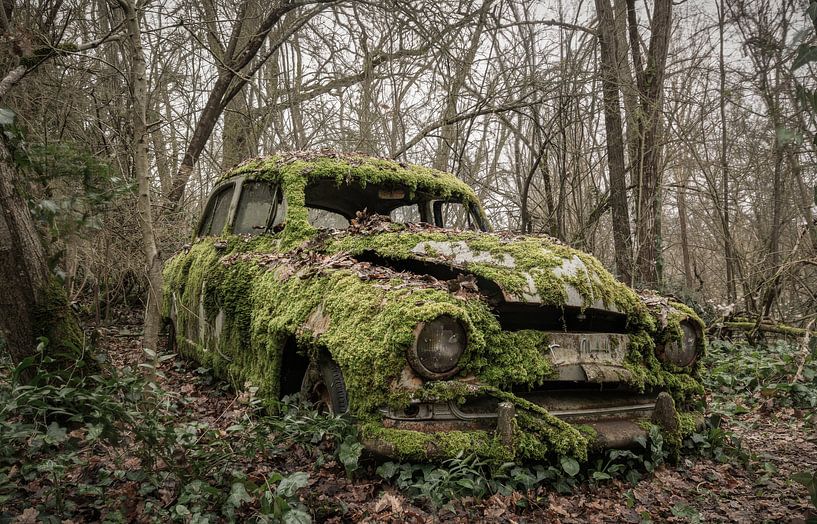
(414, 354)
(684, 353)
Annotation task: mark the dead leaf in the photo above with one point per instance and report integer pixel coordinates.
(28, 516)
(389, 501)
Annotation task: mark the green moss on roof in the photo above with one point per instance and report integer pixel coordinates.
(364, 169)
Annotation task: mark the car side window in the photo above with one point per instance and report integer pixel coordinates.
(408, 214)
(256, 208)
(325, 219)
(455, 215)
(215, 217)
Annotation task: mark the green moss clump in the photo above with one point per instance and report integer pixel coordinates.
(513, 264)
(416, 445)
(53, 319)
(441, 391)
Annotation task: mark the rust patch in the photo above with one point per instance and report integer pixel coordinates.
(317, 322)
(409, 379)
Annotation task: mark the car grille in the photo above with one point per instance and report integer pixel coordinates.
(517, 316)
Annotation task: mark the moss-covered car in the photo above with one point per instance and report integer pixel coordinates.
(374, 287)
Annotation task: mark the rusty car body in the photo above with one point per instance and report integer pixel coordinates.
(376, 288)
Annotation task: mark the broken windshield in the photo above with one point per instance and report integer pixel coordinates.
(333, 207)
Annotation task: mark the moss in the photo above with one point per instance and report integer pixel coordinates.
(688, 422)
(782, 329)
(416, 445)
(53, 319)
(555, 435)
(441, 391)
(511, 263)
(294, 171)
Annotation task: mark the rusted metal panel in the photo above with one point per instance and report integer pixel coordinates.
(433, 426)
(317, 322)
(591, 357)
(616, 434)
(615, 416)
(459, 253)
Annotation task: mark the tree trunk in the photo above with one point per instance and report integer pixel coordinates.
(33, 304)
(153, 260)
(615, 142)
(648, 225)
(681, 201)
(731, 291)
(239, 138)
(228, 84)
(448, 132)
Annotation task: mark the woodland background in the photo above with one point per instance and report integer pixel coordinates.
(674, 140)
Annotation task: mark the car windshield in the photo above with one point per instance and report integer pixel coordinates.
(333, 207)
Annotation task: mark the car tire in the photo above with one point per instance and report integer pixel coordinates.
(323, 384)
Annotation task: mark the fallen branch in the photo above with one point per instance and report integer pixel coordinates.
(766, 327)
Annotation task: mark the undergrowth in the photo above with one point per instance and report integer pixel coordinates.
(115, 447)
(110, 446)
(741, 376)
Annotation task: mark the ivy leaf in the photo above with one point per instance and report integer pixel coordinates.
(809, 480)
(6, 116)
(297, 516)
(238, 495)
(600, 475)
(55, 434)
(291, 484)
(349, 454)
(570, 466)
(387, 470)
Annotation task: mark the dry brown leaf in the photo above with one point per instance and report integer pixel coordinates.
(388, 501)
(28, 516)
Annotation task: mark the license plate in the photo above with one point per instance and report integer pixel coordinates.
(573, 348)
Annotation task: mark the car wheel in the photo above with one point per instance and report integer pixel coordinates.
(323, 385)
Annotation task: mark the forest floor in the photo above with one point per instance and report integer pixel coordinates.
(751, 485)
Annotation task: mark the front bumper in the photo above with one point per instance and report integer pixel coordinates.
(534, 426)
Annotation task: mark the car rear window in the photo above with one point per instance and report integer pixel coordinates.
(217, 209)
(254, 208)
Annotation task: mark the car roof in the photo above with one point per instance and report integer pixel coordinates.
(344, 167)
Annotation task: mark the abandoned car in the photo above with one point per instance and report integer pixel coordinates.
(375, 288)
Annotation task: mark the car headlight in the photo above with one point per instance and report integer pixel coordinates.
(683, 352)
(437, 348)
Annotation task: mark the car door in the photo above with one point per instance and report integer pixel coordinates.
(242, 207)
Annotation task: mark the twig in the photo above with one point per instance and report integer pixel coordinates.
(804, 352)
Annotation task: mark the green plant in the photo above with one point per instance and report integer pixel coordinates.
(714, 440)
(759, 373)
(809, 480)
(118, 433)
(466, 475)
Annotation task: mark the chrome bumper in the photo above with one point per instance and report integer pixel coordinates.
(616, 419)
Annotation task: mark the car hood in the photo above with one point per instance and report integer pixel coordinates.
(532, 269)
